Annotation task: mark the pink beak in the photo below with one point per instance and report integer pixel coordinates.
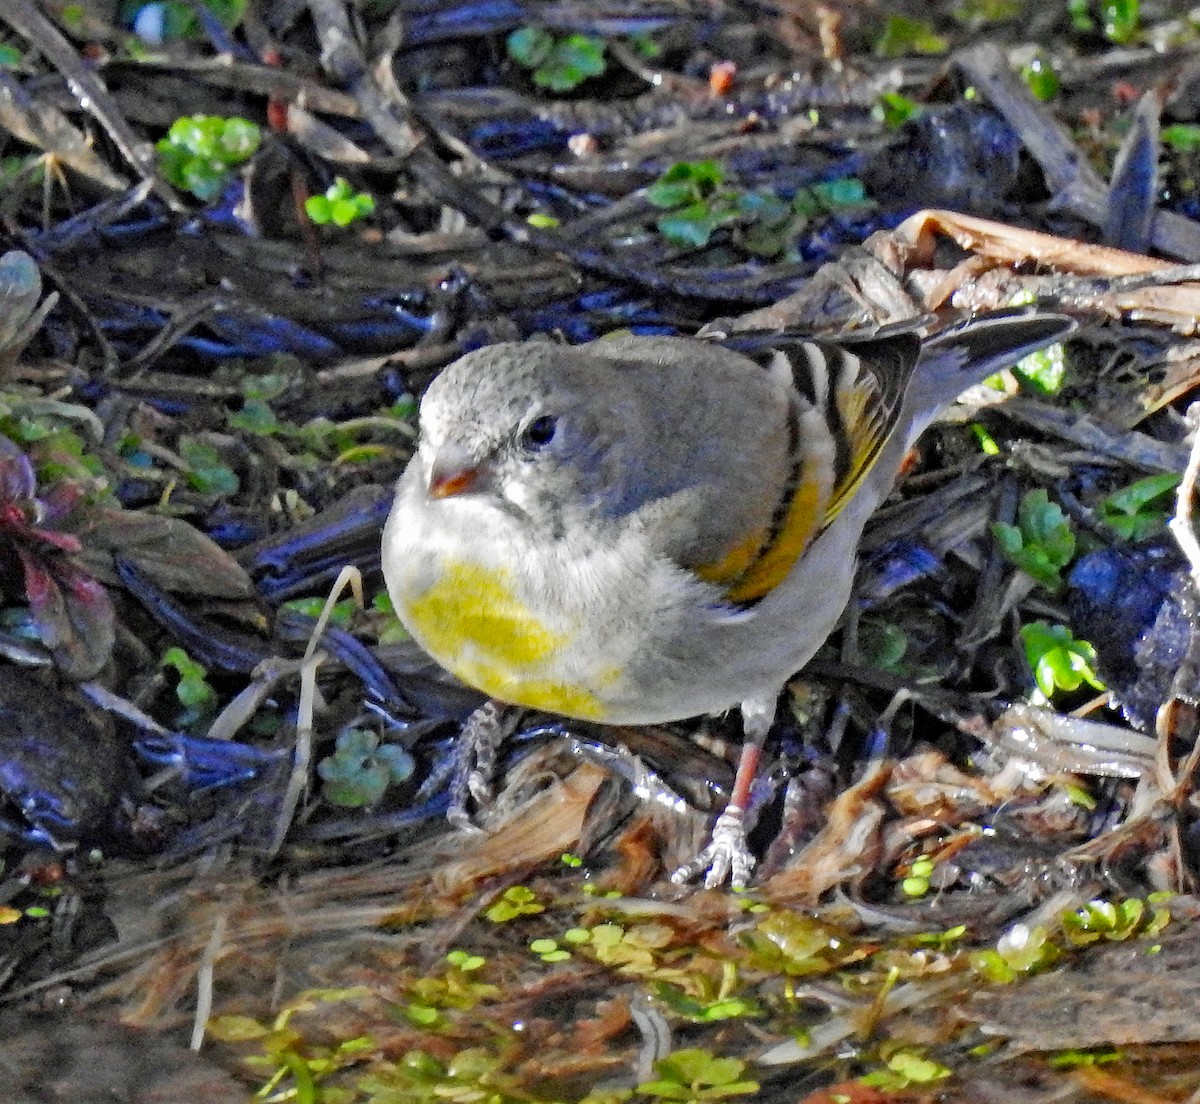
(453, 473)
(448, 483)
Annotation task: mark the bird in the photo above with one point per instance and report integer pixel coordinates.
(642, 529)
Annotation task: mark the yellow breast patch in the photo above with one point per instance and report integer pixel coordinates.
(473, 623)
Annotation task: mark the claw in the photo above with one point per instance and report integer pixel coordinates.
(482, 734)
(727, 856)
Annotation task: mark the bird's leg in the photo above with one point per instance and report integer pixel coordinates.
(728, 855)
(482, 734)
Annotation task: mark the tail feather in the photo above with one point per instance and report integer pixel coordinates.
(965, 355)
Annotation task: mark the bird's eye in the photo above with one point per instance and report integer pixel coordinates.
(539, 433)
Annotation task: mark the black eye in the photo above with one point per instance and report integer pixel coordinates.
(539, 433)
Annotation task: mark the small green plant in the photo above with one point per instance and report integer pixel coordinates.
(465, 961)
(943, 941)
(1042, 78)
(196, 696)
(697, 202)
(1138, 511)
(799, 946)
(904, 1068)
(904, 35)
(977, 12)
(1074, 1059)
(691, 192)
(1043, 372)
(200, 151)
(882, 645)
(1059, 661)
(1077, 795)
(432, 1001)
(894, 109)
(256, 418)
(1119, 20)
(916, 884)
(699, 1010)
(1041, 543)
(284, 1055)
(988, 444)
(1115, 921)
(1181, 137)
(360, 770)
(768, 227)
(472, 1075)
(169, 19)
(514, 902)
(340, 615)
(549, 951)
(340, 205)
(696, 1075)
(634, 950)
(206, 472)
(1020, 950)
(559, 64)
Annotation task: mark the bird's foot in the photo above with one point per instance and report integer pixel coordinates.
(482, 734)
(727, 857)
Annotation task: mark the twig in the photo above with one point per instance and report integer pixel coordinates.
(204, 981)
(1181, 524)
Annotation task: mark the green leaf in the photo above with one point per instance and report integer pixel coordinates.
(894, 110)
(693, 226)
(1132, 510)
(1058, 660)
(645, 46)
(192, 690)
(1043, 521)
(1044, 370)
(529, 46)
(1080, 13)
(1041, 543)
(256, 418)
(514, 902)
(340, 205)
(845, 193)
(987, 11)
(903, 35)
(1073, 1059)
(1009, 539)
(360, 770)
(1120, 20)
(917, 1069)
(1181, 137)
(465, 961)
(343, 212)
(670, 194)
(882, 644)
(1042, 79)
(319, 209)
(559, 64)
(685, 182)
(237, 140)
(697, 1075)
(987, 443)
(206, 472)
(199, 151)
(572, 60)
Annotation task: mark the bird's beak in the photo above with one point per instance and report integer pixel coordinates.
(453, 473)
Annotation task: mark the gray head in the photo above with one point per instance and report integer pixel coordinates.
(539, 427)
